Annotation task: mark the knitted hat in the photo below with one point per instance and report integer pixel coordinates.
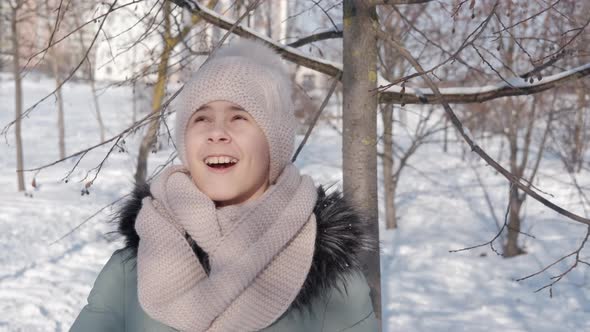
(253, 76)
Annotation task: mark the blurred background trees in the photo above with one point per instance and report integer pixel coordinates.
(515, 74)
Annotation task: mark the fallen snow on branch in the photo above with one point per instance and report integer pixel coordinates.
(513, 82)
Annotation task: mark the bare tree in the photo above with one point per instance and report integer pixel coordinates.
(19, 9)
(169, 41)
(391, 67)
(91, 65)
(359, 139)
(361, 94)
(55, 59)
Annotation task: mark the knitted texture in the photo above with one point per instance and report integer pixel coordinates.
(260, 253)
(252, 76)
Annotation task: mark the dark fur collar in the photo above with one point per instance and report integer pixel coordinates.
(341, 238)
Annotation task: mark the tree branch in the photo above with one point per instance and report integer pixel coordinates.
(399, 2)
(393, 94)
(316, 117)
(55, 42)
(480, 94)
(324, 35)
(557, 278)
(514, 180)
(30, 109)
(293, 55)
(498, 234)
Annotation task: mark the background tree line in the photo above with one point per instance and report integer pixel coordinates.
(480, 74)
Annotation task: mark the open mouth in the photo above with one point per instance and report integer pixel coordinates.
(220, 164)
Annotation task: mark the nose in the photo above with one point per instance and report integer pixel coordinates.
(218, 133)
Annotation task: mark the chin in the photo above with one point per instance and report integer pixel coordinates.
(221, 197)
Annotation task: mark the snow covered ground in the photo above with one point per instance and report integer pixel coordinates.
(43, 285)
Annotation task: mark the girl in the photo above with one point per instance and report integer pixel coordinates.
(234, 238)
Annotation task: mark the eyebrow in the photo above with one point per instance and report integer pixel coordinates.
(231, 108)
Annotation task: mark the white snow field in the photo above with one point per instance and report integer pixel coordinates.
(43, 285)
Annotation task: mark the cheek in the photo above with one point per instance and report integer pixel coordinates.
(262, 150)
(192, 146)
(257, 147)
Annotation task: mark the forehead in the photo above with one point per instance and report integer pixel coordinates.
(215, 106)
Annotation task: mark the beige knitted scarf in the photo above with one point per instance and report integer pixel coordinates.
(259, 252)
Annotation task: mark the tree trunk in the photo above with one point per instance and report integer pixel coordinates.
(134, 103)
(97, 107)
(446, 135)
(18, 101)
(53, 58)
(579, 127)
(92, 80)
(511, 248)
(169, 41)
(149, 140)
(359, 139)
(388, 181)
(60, 105)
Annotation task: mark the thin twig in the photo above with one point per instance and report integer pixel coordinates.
(332, 34)
(474, 147)
(558, 277)
(491, 242)
(316, 117)
(88, 219)
(28, 110)
(468, 41)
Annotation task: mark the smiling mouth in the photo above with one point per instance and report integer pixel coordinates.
(222, 166)
(220, 163)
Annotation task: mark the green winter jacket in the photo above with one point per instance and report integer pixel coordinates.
(334, 297)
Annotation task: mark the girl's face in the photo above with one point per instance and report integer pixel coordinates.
(227, 153)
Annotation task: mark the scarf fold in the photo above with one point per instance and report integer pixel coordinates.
(260, 253)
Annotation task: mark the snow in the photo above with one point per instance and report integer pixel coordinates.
(513, 82)
(43, 286)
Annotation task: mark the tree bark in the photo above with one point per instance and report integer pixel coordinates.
(388, 181)
(511, 248)
(60, 105)
(18, 101)
(359, 139)
(92, 81)
(579, 129)
(96, 105)
(147, 144)
(54, 62)
(149, 139)
(513, 118)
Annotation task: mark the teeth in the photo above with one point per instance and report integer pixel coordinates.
(220, 160)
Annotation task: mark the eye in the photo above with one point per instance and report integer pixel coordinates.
(239, 117)
(199, 119)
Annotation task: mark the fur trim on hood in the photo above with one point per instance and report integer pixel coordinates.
(341, 239)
